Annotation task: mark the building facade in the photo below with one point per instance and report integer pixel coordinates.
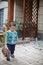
(16, 8)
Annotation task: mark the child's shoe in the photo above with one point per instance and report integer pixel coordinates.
(8, 59)
(12, 56)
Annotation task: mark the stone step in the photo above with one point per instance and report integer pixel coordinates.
(26, 40)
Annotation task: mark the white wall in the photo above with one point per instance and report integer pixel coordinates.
(40, 17)
(18, 9)
(4, 5)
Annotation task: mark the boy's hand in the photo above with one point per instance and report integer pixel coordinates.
(18, 42)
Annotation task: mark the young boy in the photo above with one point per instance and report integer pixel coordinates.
(12, 38)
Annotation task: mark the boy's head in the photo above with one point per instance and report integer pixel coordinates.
(13, 26)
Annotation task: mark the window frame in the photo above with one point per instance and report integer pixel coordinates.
(1, 19)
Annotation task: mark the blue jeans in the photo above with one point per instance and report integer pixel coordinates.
(11, 48)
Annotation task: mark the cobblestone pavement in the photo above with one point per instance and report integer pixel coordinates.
(26, 54)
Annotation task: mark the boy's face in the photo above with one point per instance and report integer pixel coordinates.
(13, 28)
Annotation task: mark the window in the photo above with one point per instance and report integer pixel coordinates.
(1, 19)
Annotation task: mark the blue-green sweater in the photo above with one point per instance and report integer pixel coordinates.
(12, 37)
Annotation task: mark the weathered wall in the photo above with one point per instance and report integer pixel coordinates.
(40, 19)
(18, 9)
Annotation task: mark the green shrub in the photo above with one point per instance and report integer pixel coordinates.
(2, 40)
(19, 27)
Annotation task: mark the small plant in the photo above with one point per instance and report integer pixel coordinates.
(2, 40)
(19, 27)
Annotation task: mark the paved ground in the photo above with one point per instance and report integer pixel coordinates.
(26, 54)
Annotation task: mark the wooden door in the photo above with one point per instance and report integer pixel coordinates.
(30, 18)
